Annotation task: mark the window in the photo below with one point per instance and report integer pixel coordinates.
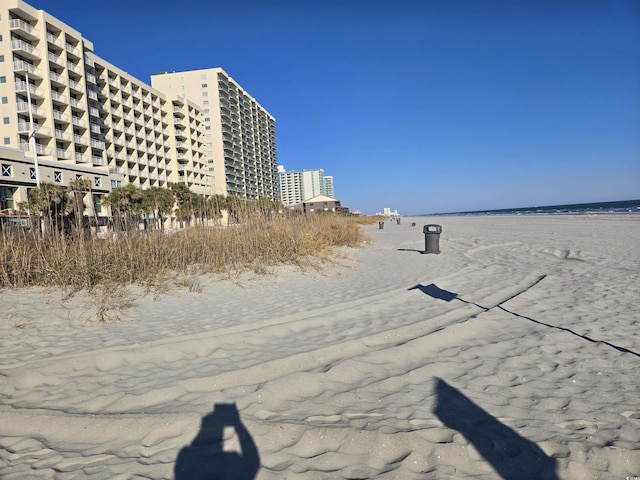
(204, 85)
(203, 77)
(6, 170)
(205, 94)
(32, 173)
(1, 58)
(7, 140)
(206, 119)
(97, 182)
(57, 177)
(3, 79)
(5, 120)
(78, 176)
(206, 110)
(207, 127)
(5, 100)
(205, 103)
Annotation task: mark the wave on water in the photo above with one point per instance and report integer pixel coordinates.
(608, 208)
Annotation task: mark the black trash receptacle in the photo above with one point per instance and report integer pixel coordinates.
(432, 238)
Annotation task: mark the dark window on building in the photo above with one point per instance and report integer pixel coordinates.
(6, 170)
(57, 177)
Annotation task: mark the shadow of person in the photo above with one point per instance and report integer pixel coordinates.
(206, 457)
(511, 455)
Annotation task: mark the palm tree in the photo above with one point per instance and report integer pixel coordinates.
(78, 187)
(158, 201)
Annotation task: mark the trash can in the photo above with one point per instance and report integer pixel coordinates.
(432, 238)
(398, 220)
(380, 225)
(413, 224)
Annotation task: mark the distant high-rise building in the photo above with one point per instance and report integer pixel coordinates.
(299, 186)
(328, 186)
(240, 142)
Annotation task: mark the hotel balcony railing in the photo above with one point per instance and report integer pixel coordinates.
(116, 171)
(80, 158)
(17, 23)
(97, 144)
(51, 38)
(75, 85)
(63, 117)
(78, 122)
(25, 48)
(25, 126)
(60, 135)
(74, 102)
(73, 67)
(22, 66)
(42, 131)
(91, 77)
(88, 61)
(73, 50)
(59, 97)
(61, 153)
(98, 161)
(42, 150)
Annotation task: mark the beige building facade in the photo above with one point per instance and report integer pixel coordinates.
(240, 142)
(76, 115)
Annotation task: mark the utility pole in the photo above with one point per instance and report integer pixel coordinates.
(32, 136)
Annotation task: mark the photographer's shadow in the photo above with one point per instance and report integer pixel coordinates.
(206, 458)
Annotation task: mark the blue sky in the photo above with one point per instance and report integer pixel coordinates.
(421, 106)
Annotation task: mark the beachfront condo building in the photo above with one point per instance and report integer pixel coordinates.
(240, 142)
(66, 113)
(299, 186)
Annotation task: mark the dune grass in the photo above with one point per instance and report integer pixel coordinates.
(27, 259)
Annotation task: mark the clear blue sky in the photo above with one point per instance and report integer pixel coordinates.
(423, 106)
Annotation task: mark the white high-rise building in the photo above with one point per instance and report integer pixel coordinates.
(299, 186)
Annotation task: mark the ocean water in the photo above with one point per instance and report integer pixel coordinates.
(601, 208)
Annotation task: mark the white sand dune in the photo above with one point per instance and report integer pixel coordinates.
(512, 354)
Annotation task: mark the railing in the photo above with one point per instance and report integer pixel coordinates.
(18, 23)
(22, 45)
(22, 65)
(98, 161)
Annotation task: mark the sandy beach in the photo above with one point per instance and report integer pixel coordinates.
(514, 353)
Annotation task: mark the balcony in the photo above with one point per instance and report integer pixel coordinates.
(74, 68)
(74, 102)
(20, 66)
(97, 144)
(78, 122)
(117, 171)
(63, 117)
(33, 90)
(53, 40)
(61, 153)
(17, 24)
(42, 150)
(61, 135)
(25, 49)
(81, 158)
(98, 161)
(73, 50)
(58, 97)
(77, 86)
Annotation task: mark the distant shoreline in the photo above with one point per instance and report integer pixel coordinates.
(609, 208)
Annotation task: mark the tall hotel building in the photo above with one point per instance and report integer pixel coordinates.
(240, 138)
(92, 120)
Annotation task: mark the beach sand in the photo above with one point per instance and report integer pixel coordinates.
(514, 353)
